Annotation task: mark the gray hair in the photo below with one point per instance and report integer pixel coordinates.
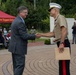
(21, 8)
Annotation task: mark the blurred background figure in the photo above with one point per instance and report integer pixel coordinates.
(1, 38)
(8, 37)
(5, 32)
(74, 33)
(33, 31)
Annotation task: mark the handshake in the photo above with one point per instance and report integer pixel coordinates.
(38, 35)
(50, 34)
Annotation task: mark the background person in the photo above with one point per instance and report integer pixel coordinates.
(33, 31)
(5, 32)
(74, 33)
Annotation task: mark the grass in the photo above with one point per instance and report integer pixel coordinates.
(37, 40)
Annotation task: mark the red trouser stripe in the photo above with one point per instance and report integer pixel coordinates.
(64, 67)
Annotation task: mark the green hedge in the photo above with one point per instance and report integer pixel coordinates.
(47, 42)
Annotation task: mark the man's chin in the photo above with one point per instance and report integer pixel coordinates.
(25, 17)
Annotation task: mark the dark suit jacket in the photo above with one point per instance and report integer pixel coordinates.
(19, 37)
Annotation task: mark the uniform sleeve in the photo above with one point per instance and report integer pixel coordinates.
(62, 21)
(23, 33)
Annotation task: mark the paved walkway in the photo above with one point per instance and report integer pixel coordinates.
(40, 60)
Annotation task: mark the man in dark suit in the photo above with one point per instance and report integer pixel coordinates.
(19, 40)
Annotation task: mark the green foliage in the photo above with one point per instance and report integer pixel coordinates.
(46, 25)
(4, 0)
(47, 42)
(33, 19)
(68, 7)
(7, 26)
(2, 7)
(12, 5)
(38, 17)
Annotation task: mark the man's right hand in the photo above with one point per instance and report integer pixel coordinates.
(38, 35)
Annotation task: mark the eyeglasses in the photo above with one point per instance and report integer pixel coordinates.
(25, 12)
